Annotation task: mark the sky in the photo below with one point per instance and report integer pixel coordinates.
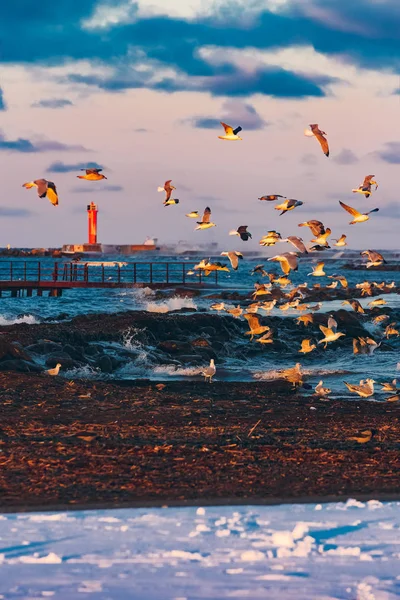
(139, 89)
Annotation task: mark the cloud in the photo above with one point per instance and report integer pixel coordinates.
(24, 145)
(390, 154)
(60, 167)
(233, 112)
(52, 103)
(2, 103)
(345, 157)
(16, 213)
(362, 32)
(90, 190)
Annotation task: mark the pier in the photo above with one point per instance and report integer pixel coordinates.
(27, 277)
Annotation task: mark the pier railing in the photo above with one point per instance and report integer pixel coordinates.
(85, 274)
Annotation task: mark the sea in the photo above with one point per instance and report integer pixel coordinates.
(346, 550)
(332, 365)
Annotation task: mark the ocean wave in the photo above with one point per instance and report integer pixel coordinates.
(174, 303)
(84, 372)
(29, 319)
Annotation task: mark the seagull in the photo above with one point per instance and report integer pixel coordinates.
(233, 258)
(318, 270)
(268, 306)
(241, 232)
(261, 289)
(305, 319)
(391, 330)
(332, 323)
(332, 286)
(254, 324)
(365, 187)
(375, 259)
(320, 390)
(45, 189)
(320, 135)
(330, 335)
(322, 239)
(92, 175)
(171, 201)
(235, 312)
(365, 287)
(307, 346)
(271, 197)
(389, 387)
(271, 238)
(294, 375)
(296, 242)
(358, 217)
(230, 134)
(287, 260)
(341, 278)
(193, 215)
(355, 305)
(167, 189)
(266, 338)
(218, 306)
(54, 371)
(210, 371)
(377, 302)
(341, 241)
(259, 269)
(364, 346)
(364, 436)
(318, 248)
(205, 223)
(380, 319)
(317, 228)
(288, 205)
(365, 389)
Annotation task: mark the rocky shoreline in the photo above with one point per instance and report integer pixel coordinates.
(79, 443)
(106, 342)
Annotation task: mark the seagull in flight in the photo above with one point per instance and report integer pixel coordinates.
(296, 242)
(233, 258)
(45, 189)
(341, 241)
(375, 259)
(167, 188)
(358, 217)
(271, 197)
(287, 260)
(318, 270)
(230, 133)
(365, 187)
(206, 222)
(320, 135)
(92, 175)
(290, 204)
(241, 232)
(317, 228)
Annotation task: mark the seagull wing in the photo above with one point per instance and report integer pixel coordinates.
(41, 187)
(228, 128)
(206, 215)
(52, 193)
(252, 320)
(349, 209)
(297, 243)
(323, 142)
(367, 181)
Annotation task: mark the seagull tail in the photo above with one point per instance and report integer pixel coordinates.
(159, 189)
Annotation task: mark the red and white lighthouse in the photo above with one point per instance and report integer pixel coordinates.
(92, 222)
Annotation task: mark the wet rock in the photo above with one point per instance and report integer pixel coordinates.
(191, 359)
(73, 352)
(173, 346)
(63, 358)
(20, 366)
(201, 343)
(104, 363)
(11, 350)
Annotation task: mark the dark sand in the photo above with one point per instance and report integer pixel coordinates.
(74, 444)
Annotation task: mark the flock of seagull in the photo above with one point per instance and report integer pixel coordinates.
(288, 262)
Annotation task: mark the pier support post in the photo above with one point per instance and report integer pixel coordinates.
(40, 292)
(29, 292)
(14, 293)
